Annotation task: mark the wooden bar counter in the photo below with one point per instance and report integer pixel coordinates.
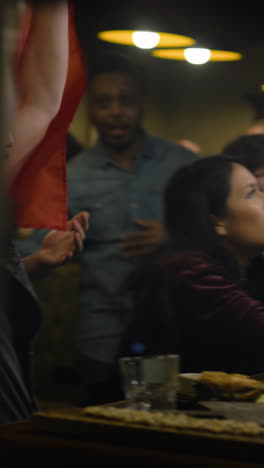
(117, 444)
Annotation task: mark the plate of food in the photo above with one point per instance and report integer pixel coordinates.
(221, 386)
(190, 376)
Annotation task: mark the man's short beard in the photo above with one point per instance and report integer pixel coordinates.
(119, 147)
(123, 146)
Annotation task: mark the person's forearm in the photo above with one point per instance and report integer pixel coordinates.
(35, 265)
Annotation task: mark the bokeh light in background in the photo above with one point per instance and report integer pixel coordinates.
(145, 39)
(179, 54)
(196, 55)
(125, 37)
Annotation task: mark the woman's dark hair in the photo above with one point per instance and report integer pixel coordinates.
(247, 150)
(194, 198)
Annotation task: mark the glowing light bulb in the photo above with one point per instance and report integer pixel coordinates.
(145, 39)
(196, 55)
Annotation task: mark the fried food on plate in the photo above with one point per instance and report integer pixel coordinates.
(226, 386)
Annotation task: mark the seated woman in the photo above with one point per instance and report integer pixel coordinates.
(195, 296)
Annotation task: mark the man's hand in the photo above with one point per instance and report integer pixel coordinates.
(152, 234)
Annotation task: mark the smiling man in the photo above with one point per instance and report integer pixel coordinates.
(120, 181)
(116, 110)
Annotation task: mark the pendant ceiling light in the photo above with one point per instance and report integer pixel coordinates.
(145, 39)
(197, 55)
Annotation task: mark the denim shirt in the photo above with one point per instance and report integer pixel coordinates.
(114, 197)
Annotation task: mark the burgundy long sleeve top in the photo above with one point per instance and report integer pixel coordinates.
(189, 306)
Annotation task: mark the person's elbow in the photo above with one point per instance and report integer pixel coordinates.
(51, 109)
(43, 118)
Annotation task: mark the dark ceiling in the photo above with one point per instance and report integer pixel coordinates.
(215, 25)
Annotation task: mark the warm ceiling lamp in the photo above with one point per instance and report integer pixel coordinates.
(262, 87)
(145, 39)
(197, 55)
(215, 55)
(130, 37)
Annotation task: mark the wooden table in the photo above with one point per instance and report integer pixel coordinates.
(22, 443)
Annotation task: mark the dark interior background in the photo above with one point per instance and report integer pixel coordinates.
(207, 103)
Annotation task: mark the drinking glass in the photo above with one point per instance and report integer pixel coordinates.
(132, 377)
(151, 382)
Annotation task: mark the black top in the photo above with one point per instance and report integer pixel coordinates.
(20, 318)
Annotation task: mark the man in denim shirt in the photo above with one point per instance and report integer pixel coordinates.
(120, 182)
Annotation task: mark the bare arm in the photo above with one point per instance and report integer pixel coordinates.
(40, 80)
(56, 249)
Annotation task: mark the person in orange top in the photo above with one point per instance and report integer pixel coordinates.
(50, 78)
(40, 78)
(39, 88)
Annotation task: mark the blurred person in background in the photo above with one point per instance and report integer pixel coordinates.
(248, 150)
(120, 181)
(189, 144)
(256, 128)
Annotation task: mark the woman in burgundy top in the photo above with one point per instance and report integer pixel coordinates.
(201, 296)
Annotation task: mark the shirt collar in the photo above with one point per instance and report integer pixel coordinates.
(103, 158)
